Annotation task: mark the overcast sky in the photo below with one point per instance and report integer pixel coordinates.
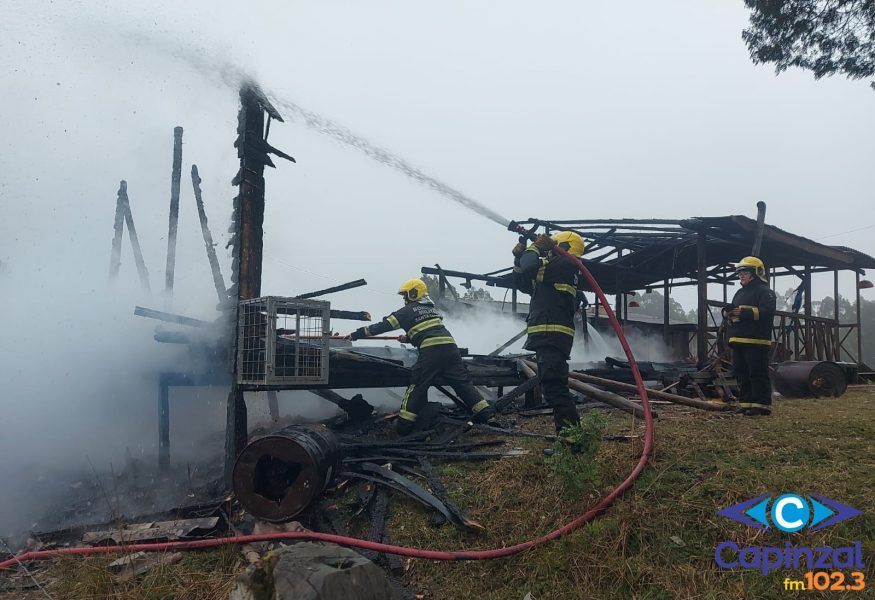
(570, 110)
(556, 110)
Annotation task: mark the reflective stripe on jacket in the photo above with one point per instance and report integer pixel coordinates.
(754, 325)
(421, 322)
(553, 284)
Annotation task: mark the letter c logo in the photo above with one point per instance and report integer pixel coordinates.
(790, 513)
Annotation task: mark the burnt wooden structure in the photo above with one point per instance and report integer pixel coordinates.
(247, 239)
(627, 256)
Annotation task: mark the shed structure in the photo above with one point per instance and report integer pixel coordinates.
(627, 256)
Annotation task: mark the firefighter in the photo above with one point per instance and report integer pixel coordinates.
(750, 318)
(552, 282)
(439, 356)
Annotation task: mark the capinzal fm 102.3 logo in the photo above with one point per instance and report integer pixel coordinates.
(789, 512)
(792, 513)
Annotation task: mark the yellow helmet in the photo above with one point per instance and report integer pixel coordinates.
(413, 290)
(752, 263)
(573, 241)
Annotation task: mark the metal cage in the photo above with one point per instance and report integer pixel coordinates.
(282, 342)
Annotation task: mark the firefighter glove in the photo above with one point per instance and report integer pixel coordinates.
(544, 242)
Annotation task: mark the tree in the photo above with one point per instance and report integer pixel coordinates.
(432, 284)
(477, 294)
(823, 36)
(652, 304)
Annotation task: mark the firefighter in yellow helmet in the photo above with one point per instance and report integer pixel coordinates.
(439, 357)
(553, 283)
(750, 319)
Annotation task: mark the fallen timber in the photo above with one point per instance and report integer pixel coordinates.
(617, 385)
(601, 395)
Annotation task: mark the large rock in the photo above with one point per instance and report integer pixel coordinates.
(316, 571)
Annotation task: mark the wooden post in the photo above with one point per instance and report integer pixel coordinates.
(248, 219)
(175, 177)
(118, 229)
(273, 405)
(859, 323)
(809, 345)
(835, 314)
(702, 310)
(135, 243)
(163, 422)
(666, 312)
(218, 281)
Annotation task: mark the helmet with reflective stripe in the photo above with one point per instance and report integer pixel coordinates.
(570, 241)
(752, 264)
(413, 290)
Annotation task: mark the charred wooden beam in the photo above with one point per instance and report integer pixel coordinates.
(601, 395)
(331, 290)
(118, 230)
(356, 407)
(124, 217)
(702, 326)
(627, 387)
(218, 280)
(497, 281)
(135, 243)
(247, 242)
(175, 178)
(508, 343)
(169, 317)
(534, 398)
(440, 492)
(350, 315)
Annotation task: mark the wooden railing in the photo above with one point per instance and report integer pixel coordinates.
(795, 336)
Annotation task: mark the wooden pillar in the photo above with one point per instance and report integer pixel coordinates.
(118, 229)
(618, 298)
(666, 314)
(859, 323)
(175, 178)
(163, 422)
(248, 243)
(835, 313)
(135, 241)
(702, 275)
(809, 345)
(218, 281)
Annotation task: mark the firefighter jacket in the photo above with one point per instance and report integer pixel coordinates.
(420, 320)
(552, 282)
(754, 326)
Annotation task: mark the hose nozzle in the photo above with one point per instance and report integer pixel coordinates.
(528, 234)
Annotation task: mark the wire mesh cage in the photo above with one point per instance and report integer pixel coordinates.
(282, 341)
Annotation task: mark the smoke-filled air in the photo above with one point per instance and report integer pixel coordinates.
(416, 138)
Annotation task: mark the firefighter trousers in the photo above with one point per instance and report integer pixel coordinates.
(439, 362)
(553, 376)
(751, 365)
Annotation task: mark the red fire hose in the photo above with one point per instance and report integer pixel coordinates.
(600, 506)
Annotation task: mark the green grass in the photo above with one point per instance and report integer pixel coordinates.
(199, 575)
(656, 542)
(702, 463)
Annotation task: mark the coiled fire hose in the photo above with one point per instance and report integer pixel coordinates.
(586, 517)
